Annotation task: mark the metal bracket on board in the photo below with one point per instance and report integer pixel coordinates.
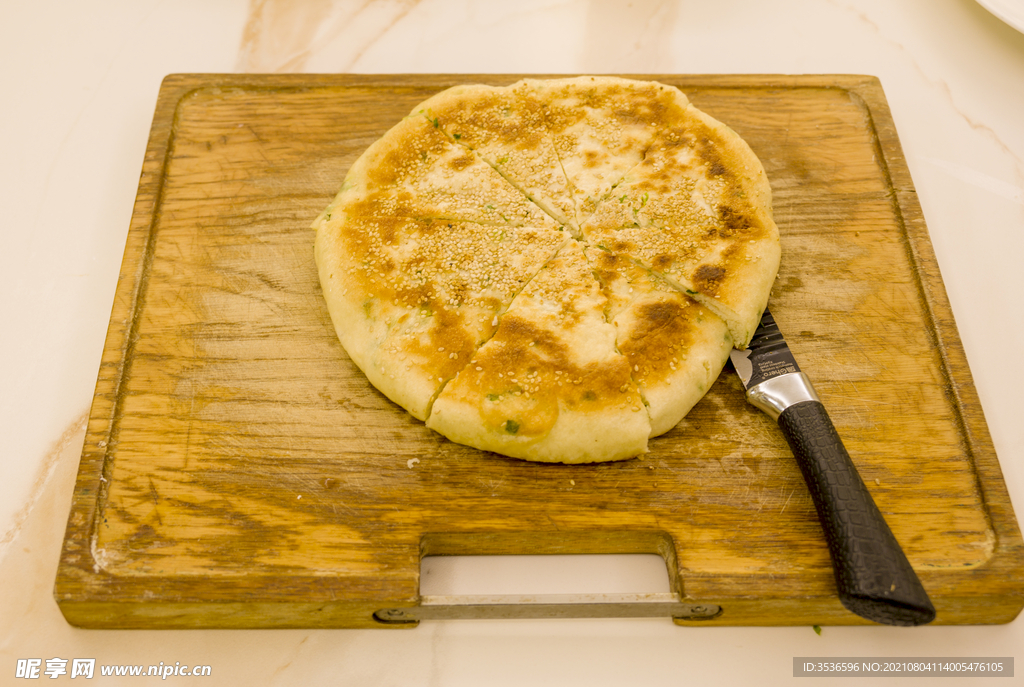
(511, 606)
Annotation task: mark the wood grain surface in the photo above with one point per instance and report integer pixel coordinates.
(239, 470)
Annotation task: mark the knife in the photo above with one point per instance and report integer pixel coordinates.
(873, 576)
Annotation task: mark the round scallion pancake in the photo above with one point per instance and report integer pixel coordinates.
(553, 270)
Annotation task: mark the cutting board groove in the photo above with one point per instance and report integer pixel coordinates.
(239, 471)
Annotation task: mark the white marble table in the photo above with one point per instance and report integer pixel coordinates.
(79, 84)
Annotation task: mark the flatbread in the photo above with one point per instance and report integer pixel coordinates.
(506, 128)
(412, 300)
(601, 128)
(697, 211)
(549, 385)
(418, 172)
(674, 346)
(553, 270)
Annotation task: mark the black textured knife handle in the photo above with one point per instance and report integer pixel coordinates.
(874, 577)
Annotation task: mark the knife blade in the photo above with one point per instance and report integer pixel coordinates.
(873, 576)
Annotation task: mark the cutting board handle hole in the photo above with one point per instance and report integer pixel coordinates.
(544, 574)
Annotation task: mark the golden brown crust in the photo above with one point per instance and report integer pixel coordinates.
(697, 211)
(506, 128)
(436, 263)
(416, 171)
(675, 346)
(412, 300)
(550, 385)
(601, 128)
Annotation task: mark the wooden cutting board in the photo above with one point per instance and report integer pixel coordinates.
(239, 470)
